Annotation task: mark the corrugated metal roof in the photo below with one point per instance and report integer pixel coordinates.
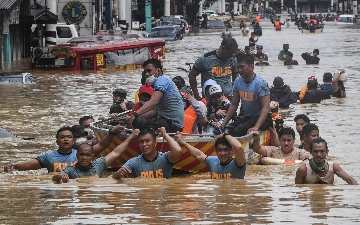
(7, 4)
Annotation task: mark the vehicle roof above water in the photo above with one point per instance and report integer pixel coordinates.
(347, 15)
(17, 77)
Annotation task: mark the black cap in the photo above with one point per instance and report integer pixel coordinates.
(278, 81)
(317, 51)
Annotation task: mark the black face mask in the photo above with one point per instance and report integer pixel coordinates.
(117, 102)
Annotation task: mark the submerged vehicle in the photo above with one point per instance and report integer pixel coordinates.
(346, 19)
(167, 33)
(17, 77)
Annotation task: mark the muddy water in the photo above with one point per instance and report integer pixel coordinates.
(267, 195)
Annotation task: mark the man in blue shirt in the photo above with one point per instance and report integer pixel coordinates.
(253, 91)
(85, 167)
(151, 163)
(165, 107)
(65, 156)
(223, 165)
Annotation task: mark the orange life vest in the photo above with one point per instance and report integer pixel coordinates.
(277, 25)
(190, 117)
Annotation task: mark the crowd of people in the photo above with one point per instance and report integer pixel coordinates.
(171, 106)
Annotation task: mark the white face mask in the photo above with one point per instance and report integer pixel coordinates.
(80, 141)
(90, 133)
(151, 80)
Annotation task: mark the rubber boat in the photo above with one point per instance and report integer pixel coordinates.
(273, 161)
(187, 163)
(98, 52)
(319, 28)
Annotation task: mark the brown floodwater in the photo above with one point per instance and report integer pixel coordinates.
(267, 195)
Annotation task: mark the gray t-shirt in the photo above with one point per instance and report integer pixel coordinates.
(97, 168)
(212, 67)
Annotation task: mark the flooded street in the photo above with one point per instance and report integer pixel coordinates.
(267, 195)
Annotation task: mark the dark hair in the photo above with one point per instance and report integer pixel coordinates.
(246, 58)
(63, 129)
(308, 128)
(252, 33)
(229, 43)
(179, 82)
(144, 132)
(78, 147)
(327, 77)
(318, 140)
(84, 118)
(78, 131)
(223, 141)
(155, 62)
(303, 117)
(312, 84)
(287, 131)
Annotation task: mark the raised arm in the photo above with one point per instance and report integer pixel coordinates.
(343, 175)
(104, 143)
(175, 149)
(300, 174)
(265, 103)
(196, 153)
(31, 164)
(257, 147)
(335, 80)
(239, 151)
(193, 83)
(121, 148)
(274, 139)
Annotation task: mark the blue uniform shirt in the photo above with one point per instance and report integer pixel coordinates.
(96, 169)
(158, 168)
(55, 161)
(230, 170)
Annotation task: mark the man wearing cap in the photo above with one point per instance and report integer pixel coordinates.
(282, 93)
(282, 53)
(145, 93)
(311, 59)
(219, 65)
(259, 53)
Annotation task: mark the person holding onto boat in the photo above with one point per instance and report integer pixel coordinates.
(119, 105)
(151, 163)
(253, 91)
(194, 111)
(65, 156)
(219, 65)
(165, 107)
(289, 60)
(85, 122)
(282, 94)
(309, 133)
(226, 32)
(286, 150)
(87, 167)
(311, 59)
(259, 52)
(223, 165)
(318, 170)
(300, 121)
(216, 109)
(339, 91)
(282, 53)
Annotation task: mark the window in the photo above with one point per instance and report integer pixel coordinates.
(63, 32)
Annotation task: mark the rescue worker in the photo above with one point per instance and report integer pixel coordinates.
(277, 24)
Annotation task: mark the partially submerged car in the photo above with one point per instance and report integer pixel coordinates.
(214, 24)
(17, 77)
(167, 33)
(346, 19)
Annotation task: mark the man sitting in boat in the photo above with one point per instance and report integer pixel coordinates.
(311, 59)
(309, 133)
(165, 107)
(194, 112)
(65, 156)
(119, 105)
(86, 167)
(282, 93)
(222, 166)
(216, 109)
(219, 65)
(318, 170)
(300, 121)
(286, 150)
(259, 52)
(253, 91)
(151, 163)
(289, 60)
(145, 92)
(339, 91)
(282, 53)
